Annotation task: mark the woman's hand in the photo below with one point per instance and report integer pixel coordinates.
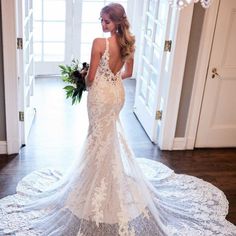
(84, 72)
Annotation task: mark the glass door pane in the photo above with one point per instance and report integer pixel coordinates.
(49, 34)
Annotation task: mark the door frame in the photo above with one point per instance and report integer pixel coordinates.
(10, 75)
(171, 90)
(200, 76)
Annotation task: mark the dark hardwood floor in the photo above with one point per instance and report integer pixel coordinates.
(59, 130)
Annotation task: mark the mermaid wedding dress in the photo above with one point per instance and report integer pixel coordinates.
(109, 191)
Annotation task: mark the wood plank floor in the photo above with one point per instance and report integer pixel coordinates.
(59, 130)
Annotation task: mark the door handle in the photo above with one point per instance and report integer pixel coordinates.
(214, 73)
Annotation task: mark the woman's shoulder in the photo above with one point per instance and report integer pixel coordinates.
(99, 41)
(99, 44)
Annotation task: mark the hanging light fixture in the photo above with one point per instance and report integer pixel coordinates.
(183, 3)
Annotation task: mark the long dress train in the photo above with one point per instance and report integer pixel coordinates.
(109, 191)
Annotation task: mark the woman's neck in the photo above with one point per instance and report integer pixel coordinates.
(113, 33)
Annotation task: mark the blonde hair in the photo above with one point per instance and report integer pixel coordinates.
(126, 40)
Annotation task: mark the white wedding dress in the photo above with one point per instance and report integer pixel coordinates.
(109, 192)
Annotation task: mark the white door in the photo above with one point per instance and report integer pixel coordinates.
(25, 63)
(217, 125)
(151, 65)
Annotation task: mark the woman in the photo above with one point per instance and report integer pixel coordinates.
(109, 192)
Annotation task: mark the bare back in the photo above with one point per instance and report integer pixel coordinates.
(115, 61)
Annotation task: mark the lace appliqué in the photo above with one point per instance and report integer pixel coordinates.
(97, 200)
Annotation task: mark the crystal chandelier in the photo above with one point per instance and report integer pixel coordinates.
(183, 3)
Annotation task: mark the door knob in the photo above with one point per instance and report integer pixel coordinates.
(214, 73)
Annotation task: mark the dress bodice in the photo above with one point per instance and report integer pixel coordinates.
(106, 95)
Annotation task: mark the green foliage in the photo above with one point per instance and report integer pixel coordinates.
(71, 75)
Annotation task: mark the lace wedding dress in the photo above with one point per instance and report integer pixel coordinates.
(109, 191)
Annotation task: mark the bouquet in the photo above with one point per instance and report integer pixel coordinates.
(74, 75)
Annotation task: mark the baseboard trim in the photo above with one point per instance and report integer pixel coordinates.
(190, 143)
(3, 147)
(183, 144)
(179, 144)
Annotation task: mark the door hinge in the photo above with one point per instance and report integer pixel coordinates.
(21, 116)
(158, 115)
(167, 47)
(19, 43)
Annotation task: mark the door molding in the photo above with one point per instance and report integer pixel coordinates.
(172, 91)
(10, 75)
(3, 147)
(201, 74)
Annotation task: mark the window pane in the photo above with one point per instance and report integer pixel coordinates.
(162, 11)
(53, 58)
(149, 27)
(90, 31)
(94, 8)
(38, 51)
(54, 31)
(159, 36)
(151, 100)
(93, 1)
(145, 71)
(123, 3)
(85, 52)
(54, 51)
(156, 58)
(38, 31)
(153, 78)
(26, 9)
(37, 7)
(151, 6)
(54, 10)
(30, 4)
(143, 88)
(91, 11)
(26, 55)
(147, 49)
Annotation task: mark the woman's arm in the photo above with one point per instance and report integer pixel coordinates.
(94, 61)
(128, 70)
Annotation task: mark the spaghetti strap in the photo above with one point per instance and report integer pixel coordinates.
(107, 45)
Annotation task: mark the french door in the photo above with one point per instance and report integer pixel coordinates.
(25, 67)
(147, 98)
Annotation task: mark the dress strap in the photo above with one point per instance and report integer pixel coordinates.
(107, 45)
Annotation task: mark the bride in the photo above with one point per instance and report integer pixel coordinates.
(109, 192)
